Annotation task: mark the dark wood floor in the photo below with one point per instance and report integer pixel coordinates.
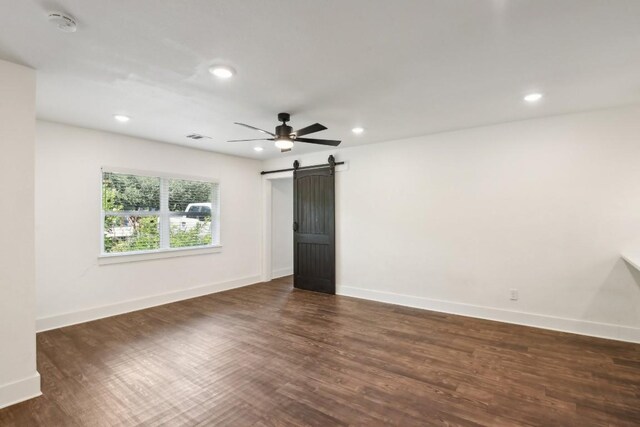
(268, 355)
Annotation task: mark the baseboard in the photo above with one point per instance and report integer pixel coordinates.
(19, 391)
(282, 272)
(73, 318)
(576, 326)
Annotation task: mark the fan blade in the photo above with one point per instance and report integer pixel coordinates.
(256, 139)
(255, 128)
(284, 150)
(319, 141)
(309, 129)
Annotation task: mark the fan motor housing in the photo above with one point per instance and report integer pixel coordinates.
(284, 130)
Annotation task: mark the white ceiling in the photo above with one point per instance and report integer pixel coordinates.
(397, 68)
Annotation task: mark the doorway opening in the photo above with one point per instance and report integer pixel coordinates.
(281, 227)
(274, 265)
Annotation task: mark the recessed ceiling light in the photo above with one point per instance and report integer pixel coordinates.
(121, 118)
(357, 131)
(258, 148)
(533, 97)
(222, 71)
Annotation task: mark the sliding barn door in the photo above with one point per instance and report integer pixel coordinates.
(314, 230)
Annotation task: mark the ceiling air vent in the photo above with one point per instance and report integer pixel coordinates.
(198, 136)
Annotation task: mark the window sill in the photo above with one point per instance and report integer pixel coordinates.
(117, 258)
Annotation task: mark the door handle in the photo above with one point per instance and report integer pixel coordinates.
(295, 226)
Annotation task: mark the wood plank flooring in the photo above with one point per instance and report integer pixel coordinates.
(268, 355)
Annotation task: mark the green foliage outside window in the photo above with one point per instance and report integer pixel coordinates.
(199, 235)
(182, 192)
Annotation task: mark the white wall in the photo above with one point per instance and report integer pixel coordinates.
(19, 379)
(71, 284)
(282, 227)
(448, 222)
(453, 221)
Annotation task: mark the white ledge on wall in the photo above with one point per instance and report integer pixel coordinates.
(633, 258)
(117, 258)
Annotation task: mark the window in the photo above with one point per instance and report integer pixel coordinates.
(146, 213)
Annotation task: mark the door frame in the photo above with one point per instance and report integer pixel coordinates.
(267, 222)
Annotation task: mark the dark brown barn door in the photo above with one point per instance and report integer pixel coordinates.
(314, 230)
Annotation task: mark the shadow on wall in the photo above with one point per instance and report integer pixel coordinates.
(615, 300)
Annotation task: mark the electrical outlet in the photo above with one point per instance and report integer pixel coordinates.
(513, 294)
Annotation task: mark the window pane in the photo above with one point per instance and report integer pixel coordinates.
(190, 206)
(122, 192)
(189, 196)
(186, 231)
(131, 233)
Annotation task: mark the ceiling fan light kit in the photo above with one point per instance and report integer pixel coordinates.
(285, 137)
(284, 143)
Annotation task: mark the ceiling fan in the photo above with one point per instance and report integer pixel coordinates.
(285, 136)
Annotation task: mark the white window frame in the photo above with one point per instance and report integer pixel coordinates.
(164, 251)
